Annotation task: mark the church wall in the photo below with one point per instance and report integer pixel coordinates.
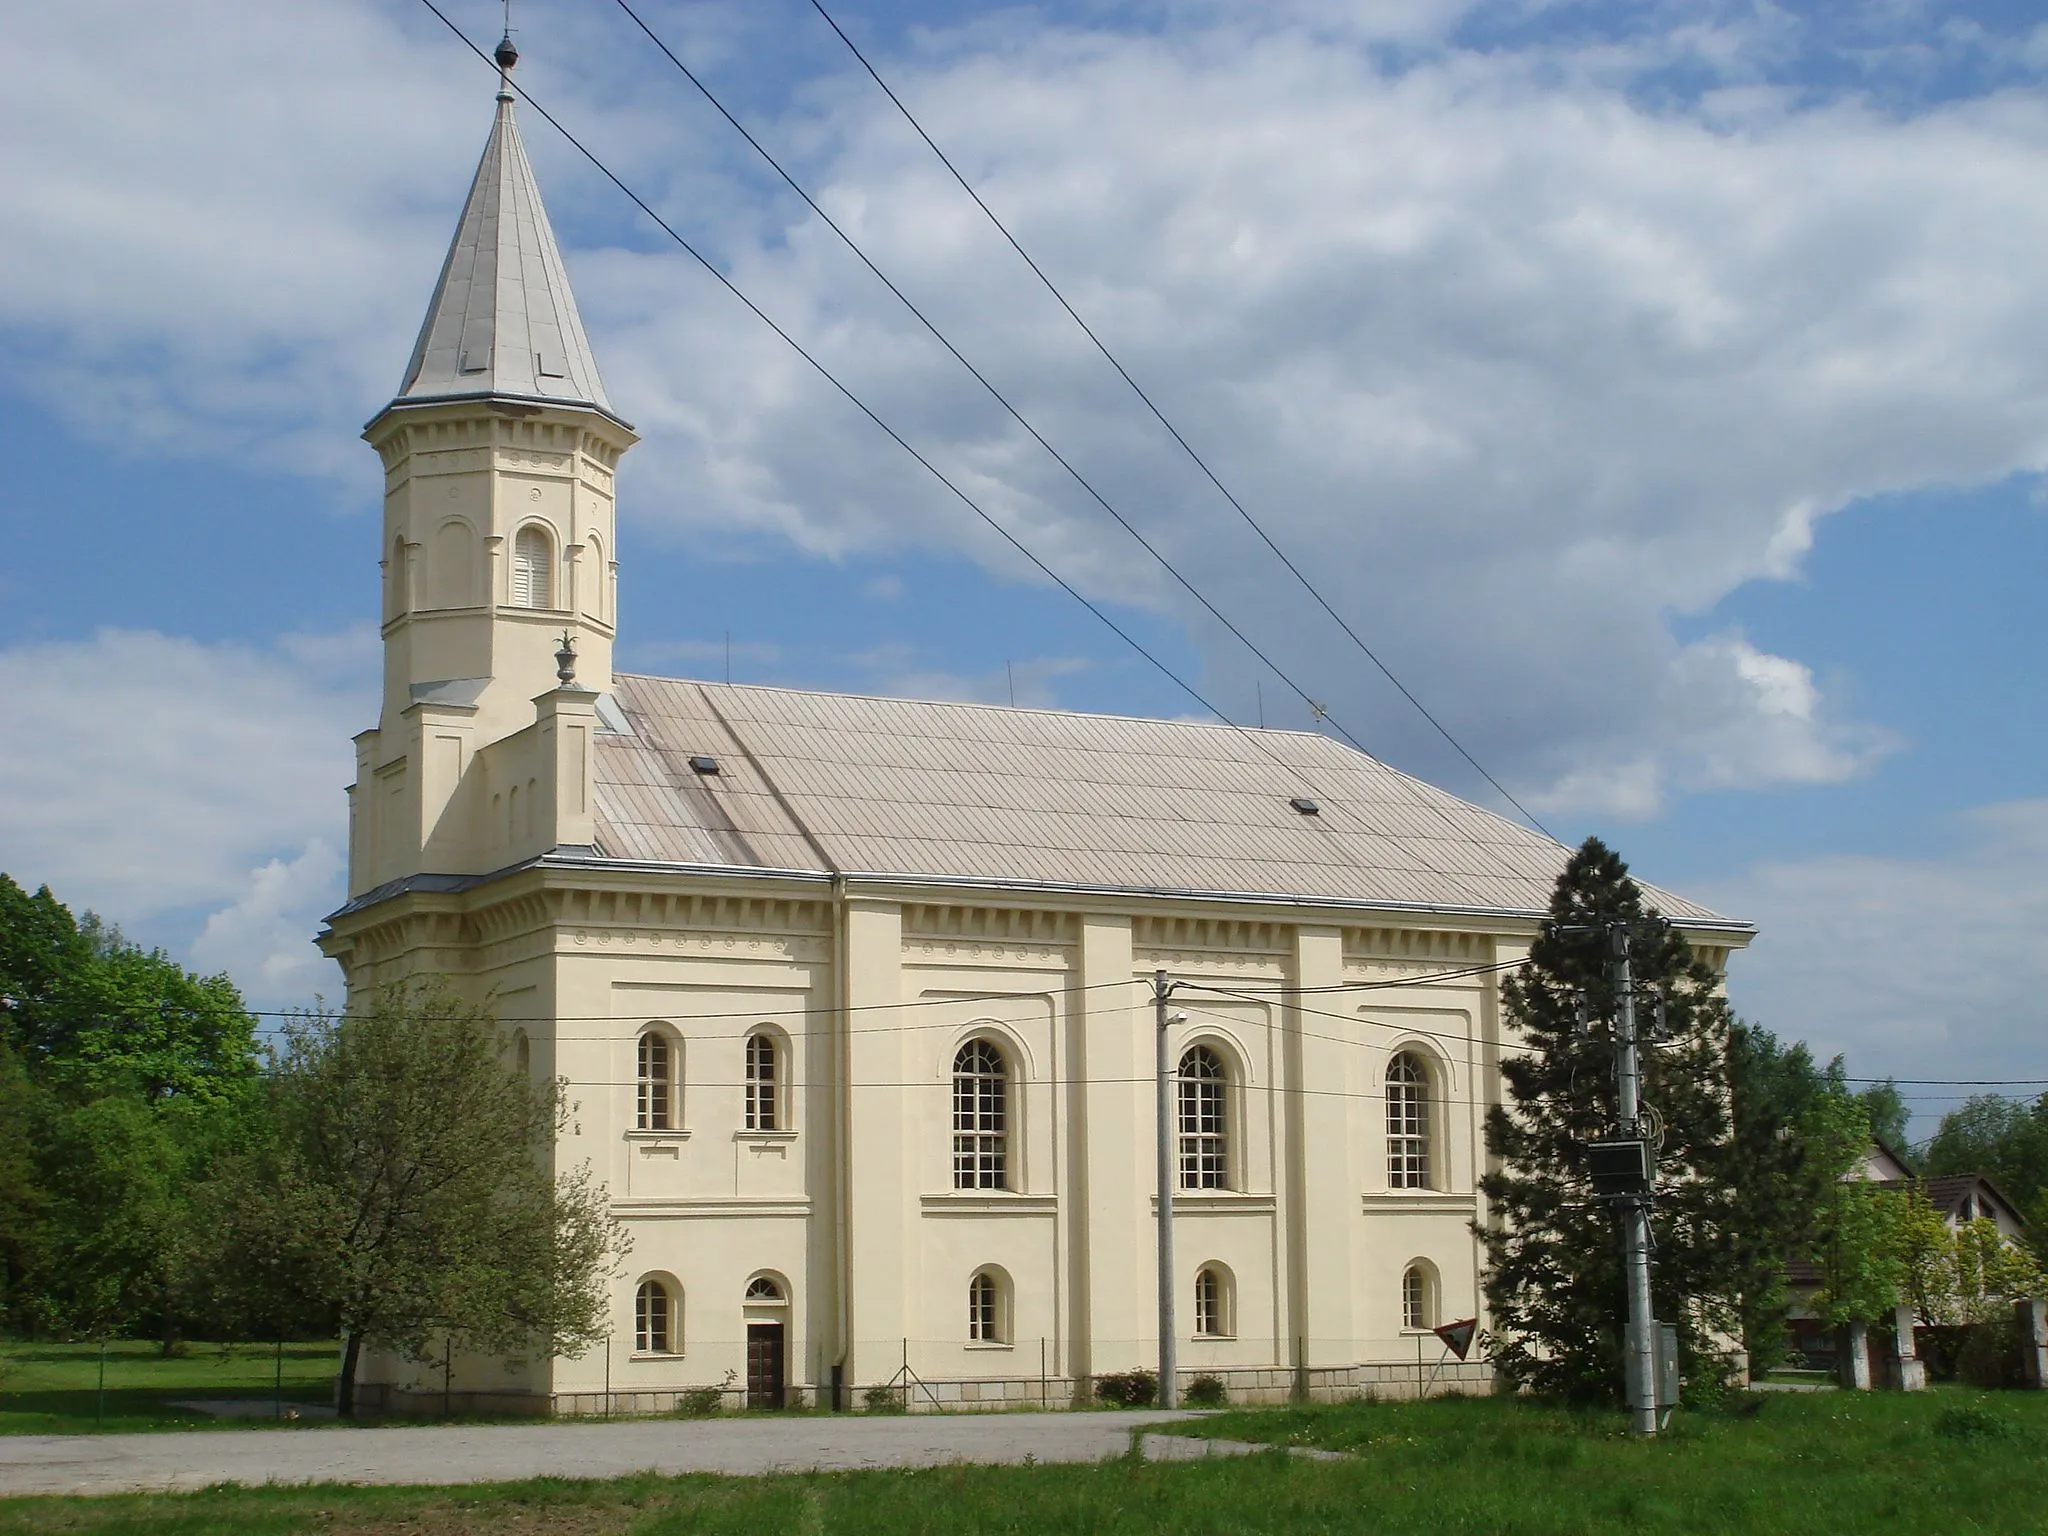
(1312, 1238)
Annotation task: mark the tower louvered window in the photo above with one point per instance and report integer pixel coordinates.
(532, 569)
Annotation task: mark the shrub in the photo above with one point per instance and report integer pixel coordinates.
(1207, 1392)
(1989, 1356)
(700, 1402)
(884, 1399)
(1972, 1422)
(1127, 1389)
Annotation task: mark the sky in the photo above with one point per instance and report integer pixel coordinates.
(1660, 390)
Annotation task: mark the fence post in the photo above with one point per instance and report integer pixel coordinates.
(2030, 1322)
(1912, 1370)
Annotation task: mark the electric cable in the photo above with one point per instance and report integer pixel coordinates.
(982, 379)
(1292, 771)
(1173, 431)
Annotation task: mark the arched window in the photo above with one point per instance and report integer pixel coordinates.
(1418, 1298)
(761, 1082)
(522, 1052)
(533, 568)
(1204, 1120)
(654, 1320)
(988, 1309)
(657, 1082)
(981, 1113)
(764, 1291)
(595, 584)
(1213, 1303)
(394, 578)
(1407, 1123)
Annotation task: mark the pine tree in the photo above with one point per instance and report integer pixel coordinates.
(1554, 1280)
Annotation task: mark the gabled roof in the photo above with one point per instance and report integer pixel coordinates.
(880, 787)
(1948, 1193)
(503, 322)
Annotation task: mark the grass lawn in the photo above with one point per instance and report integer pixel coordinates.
(52, 1389)
(1810, 1464)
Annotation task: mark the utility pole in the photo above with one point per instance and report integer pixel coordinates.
(1162, 990)
(1642, 1336)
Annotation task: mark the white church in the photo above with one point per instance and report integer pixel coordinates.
(853, 995)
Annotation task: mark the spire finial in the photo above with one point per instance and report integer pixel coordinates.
(507, 56)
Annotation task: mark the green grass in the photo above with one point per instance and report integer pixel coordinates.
(1812, 1465)
(52, 1389)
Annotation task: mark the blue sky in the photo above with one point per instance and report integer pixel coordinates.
(1663, 390)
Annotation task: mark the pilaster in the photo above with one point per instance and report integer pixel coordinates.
(1112, 1234)
(1322, 1138)
(879, 1198)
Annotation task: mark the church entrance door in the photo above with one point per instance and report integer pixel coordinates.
(764, 1365)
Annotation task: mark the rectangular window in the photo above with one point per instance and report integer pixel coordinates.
(761, 1083)
(656, 1085)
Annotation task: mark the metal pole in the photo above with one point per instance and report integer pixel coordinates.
(1642, 1341)
(1169, 1397)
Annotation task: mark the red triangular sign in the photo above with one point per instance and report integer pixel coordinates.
(1458, 1336)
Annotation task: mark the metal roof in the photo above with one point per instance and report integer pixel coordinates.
(503, 321)
(902, 788)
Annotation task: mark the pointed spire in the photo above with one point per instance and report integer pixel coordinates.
(503, 321)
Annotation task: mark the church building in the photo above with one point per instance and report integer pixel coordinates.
(854, 996)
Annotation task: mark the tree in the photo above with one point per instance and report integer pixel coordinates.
(117, 1070)
(1789, 1150)
(1890, 1119)
(1553, 1255)
(2004, 1139)
(406, 1193)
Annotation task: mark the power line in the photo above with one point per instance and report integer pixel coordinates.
(1293, 771)
(982, 379)
(1175, 433)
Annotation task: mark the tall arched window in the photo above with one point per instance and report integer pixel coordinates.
(1212, 1303)
(522, 1052)
(1407, 1123)
(654, 1319)
(533, 568)
(1418, 1298)
(988, 1309)
(1204, 1120)
(761, 1082)
(657, 1082)
(981, 1115)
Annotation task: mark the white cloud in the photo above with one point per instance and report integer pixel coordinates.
(1528, 360)
(148, 776)
(264, 940)
(1926, 967)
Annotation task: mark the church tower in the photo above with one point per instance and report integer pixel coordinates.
(500, 452)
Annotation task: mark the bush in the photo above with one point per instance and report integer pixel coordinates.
(1989, 1356)
(1127, 1389)
(700, 1402)
(1971, 1422)
(885, 1399)
(1207, 1392)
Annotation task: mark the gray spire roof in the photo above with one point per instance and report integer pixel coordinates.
(503, 321)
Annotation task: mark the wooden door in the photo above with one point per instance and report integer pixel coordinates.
(764, 1365)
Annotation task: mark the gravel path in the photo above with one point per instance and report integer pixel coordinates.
(92, 1464)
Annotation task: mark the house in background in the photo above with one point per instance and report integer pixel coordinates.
(1959, 1198)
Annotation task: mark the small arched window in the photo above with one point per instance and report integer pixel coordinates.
(988, 1309)
(533, 568)
(1407, 1123)
(657, 1084)
(394, 579)
(522, 1053)
(1418, 1298)
(598, 581)
(654, 1320)
(764, 1291)
(981, 1113)
(1204, 1120)
(762, 1082)
(1213, 1303)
